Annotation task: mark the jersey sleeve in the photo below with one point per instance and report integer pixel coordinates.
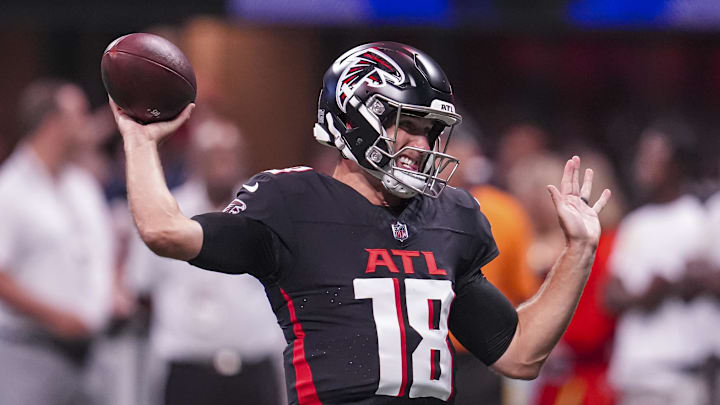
(483, 247)
(254, 234)
(482, 319)
(262, 199)
(236, 244)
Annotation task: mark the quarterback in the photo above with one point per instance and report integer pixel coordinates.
(369, 269)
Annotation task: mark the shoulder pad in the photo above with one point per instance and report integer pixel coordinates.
(296, 169)
(459, 196)
(286, 180)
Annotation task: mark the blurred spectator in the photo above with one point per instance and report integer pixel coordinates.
(518, 143)
(509, 272)
(576, 373)
(709, 278)
(215, 334)
(527, 180)
(658, 347)
(510, 222)
(56, 252)
(115, 359)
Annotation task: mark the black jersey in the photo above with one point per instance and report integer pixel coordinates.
(365, 296)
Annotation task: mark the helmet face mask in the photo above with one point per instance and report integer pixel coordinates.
(377, 84)
(435, 165)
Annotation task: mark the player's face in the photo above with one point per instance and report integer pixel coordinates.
(410, 132)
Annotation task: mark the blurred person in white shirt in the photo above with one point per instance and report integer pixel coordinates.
(707, 273)
(56, 252)
(215, 334)
(660, 338)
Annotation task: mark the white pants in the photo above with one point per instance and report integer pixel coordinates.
(35, 374)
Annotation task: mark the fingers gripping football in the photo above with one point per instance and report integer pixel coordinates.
(153, 132)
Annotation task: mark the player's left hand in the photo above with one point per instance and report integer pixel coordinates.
(578, 217)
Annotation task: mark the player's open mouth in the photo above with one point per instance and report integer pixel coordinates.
(405, 162)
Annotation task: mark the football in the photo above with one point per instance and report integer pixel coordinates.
(148, 77)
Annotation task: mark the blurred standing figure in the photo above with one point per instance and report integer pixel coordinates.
(509, 272)
(56, 252)
(659, 346)
(707, 274)
(510, 221)
(215, 333)
(577, 369)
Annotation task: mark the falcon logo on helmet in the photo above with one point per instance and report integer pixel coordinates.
(370, 66)
(365, 92)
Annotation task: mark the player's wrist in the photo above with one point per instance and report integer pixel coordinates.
(582, 242)
(581, 245)
(581, 251)
(133, 140)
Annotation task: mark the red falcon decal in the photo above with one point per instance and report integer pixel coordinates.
(367, 66)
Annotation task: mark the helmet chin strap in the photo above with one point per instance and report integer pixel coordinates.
(400, 188)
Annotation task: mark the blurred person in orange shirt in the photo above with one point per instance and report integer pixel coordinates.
(509, 272)
(510, 221)
(56, 252)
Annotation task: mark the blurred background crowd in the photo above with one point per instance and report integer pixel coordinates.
(89, 316)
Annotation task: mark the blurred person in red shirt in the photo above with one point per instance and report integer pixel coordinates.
(577, 372)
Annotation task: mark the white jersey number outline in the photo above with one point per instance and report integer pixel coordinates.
(434, 346)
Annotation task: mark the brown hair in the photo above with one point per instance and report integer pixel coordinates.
(38, 101)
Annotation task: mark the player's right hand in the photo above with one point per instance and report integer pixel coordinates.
(151, 132)
(578, 219)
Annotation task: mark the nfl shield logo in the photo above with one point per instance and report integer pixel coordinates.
(400, 231)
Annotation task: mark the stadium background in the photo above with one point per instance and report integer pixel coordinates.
(590, 73)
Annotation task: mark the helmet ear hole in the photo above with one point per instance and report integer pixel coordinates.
(366, 132)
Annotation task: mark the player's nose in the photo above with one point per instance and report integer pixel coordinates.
(419, 141)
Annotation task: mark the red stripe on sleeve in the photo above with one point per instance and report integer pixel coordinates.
(304, 385)
(402, 337)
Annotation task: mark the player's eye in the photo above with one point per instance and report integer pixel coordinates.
(411, 128)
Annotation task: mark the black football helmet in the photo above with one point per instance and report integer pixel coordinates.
(367, 90)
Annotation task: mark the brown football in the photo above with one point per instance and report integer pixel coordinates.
(148, 77)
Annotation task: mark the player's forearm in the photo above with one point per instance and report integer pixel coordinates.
(547, 315)
(161, 224)
(543, 319)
